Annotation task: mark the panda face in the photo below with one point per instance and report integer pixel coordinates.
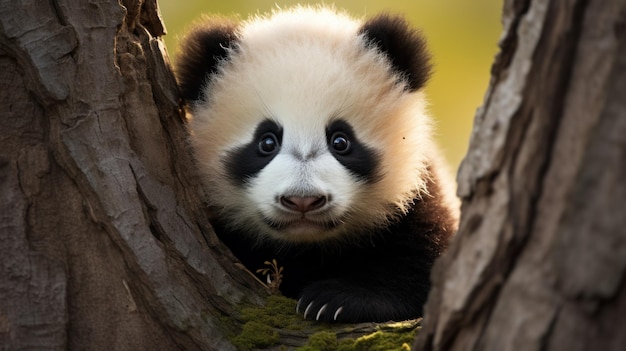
(300, 184)
(304, 134)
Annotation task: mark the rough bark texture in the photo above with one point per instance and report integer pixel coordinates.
(103, 243)
(104, 240)
(540, 258)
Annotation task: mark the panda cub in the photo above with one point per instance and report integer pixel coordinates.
(310, 133)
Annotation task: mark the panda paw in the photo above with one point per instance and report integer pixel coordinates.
(333, 301)
(313, 311)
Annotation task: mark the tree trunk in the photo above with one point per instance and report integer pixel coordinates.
(103, 239)
(540, 258)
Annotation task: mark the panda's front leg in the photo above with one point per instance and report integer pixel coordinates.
(334, 301)
(378, 294)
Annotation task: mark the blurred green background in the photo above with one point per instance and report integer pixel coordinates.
(462, 36)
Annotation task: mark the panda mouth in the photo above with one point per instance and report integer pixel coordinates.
(301, 223)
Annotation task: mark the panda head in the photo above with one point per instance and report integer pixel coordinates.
(308, 125)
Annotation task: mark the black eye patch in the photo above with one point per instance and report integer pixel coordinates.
(350, 152)
(246, 161)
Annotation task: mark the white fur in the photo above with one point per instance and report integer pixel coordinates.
(302, 68)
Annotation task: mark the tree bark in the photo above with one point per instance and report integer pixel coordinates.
(104, 243)
(540, 258)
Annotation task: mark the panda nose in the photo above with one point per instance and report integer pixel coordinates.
(303, 204)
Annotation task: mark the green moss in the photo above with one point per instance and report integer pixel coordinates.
(278, 312)
(322, 341)
(256, 335)
(390, 337)
(261, 323)
(346, 344)
(385, 341)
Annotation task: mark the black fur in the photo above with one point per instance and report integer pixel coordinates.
(404, 46)
(360, 159)
(383, 276)
(246, 161)
(201, 51)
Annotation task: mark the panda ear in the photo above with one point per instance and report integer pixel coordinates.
(200, 53)
(404, 46)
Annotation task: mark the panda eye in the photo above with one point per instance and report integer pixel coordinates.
(268, 144)
(340, 143)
